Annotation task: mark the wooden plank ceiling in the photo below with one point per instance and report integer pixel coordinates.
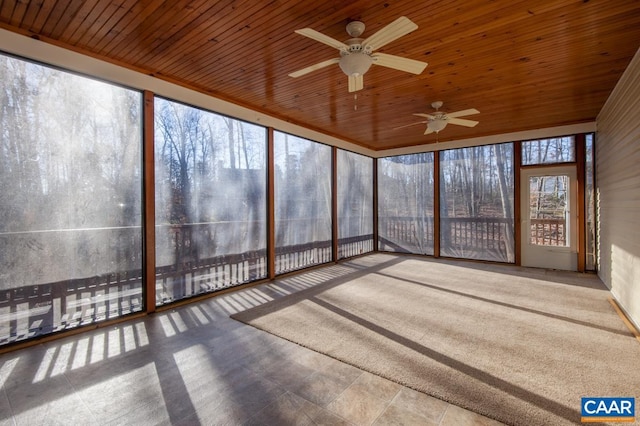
(522, 64)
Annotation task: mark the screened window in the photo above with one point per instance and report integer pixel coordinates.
(355, 204)
(405, 203)
(476, 203)
(210, 173)
(302, 202)
(549, 151)
(70, 204)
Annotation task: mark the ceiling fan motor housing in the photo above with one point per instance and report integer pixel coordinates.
(355, 28)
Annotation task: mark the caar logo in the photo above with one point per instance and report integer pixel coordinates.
(597, 409)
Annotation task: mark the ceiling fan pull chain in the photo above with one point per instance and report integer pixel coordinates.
(355, 102)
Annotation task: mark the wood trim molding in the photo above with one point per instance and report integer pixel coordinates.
(271, 205)
(334, 204)
(517, 211)
(375, 204)
(580, 154)
(436, 203)
(149, 208)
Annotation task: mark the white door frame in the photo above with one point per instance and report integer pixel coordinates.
(551, 257)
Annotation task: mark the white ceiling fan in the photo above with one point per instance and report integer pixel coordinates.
(357, 54)
(438, 120)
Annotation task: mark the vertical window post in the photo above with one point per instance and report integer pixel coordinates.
(271, 214)
(436, 203)
(517, 213)
(149, 248)
(580, 174)
(375, 204)
(334, 203)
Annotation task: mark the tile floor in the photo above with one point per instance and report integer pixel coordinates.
(195, 365)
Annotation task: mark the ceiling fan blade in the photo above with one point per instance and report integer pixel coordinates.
(356, 82)
(426, 132)
(391, 32)
(409, 125)
(307, 70)
(462, 122)
(463, 113)
(399, 63)
(318, 36)
(429, 116)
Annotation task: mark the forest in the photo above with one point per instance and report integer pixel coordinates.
(210, 184)
(476, 198)
(70, 167)
(476, 202)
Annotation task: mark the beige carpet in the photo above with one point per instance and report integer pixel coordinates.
(518, 345)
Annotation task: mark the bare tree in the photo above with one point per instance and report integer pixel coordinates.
(505, 190)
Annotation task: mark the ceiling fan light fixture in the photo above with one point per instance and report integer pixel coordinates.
(437, 125)
(355, 63)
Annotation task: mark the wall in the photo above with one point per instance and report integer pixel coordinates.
(618, 189)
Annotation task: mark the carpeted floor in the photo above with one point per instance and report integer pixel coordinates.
(516, 344)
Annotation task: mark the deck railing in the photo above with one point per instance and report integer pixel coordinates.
(463, 232)
(464, 237)
(474, 233)
(33, 310)
(29, 311)
(548, 232)
(410, 231)
(354, 246)
(191, 278)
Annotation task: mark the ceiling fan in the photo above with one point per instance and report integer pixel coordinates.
(357, 54)
(438, 120)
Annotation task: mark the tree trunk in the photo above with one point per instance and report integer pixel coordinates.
(504, 198)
